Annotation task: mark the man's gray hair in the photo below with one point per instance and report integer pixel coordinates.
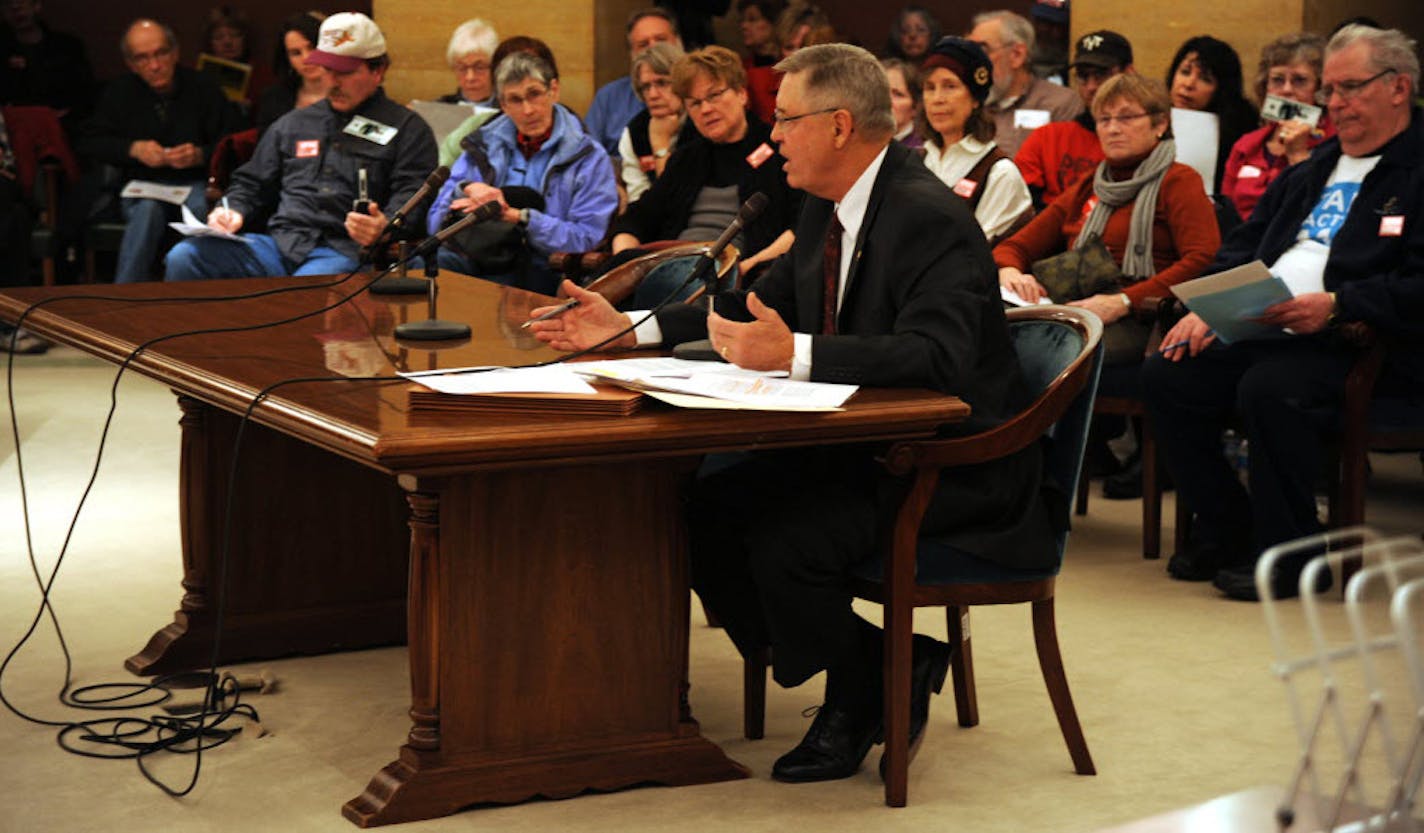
(1013, 28)
(169, 39)
(1389, 49)
(841, 75)
(517, 66)
(474, 35)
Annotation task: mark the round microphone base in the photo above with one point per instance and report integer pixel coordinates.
(432, 329)
(392, 285)
(697, 351)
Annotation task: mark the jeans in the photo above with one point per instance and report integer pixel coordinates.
(147, 221)
(201, 258)
(661, 282)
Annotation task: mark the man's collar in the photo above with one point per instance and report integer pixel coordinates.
(853, 204)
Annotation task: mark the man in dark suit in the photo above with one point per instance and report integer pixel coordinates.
(911, 303)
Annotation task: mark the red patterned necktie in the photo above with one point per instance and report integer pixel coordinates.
(831, 269)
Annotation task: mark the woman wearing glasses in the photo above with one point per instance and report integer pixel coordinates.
(712, 173)
(1150, 212)
(1290, 69)
(650, 137)
(955, 79)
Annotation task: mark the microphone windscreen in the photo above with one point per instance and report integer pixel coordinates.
(753, 207)
(438, 176)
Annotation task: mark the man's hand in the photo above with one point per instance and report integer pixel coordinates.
(225, 219)
(763, 344)
(592, 321)
(186, 155)
(1188, 338)
(1107, 307)
(148, 152)
(1025, 286)
(366, 228)
(1303, 314)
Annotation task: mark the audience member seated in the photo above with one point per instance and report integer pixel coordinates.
(228, 36)
(471, 57)
(652, 135)
(1290, 69)
(1150, 212)
(1205, 74)
(303, 178)
(615, 104)
(803, 24)
(158, 123)
(300, 83)
(713, 173)
(912, 34)
(960, 148)
(1019, 101)
(1049, 59)
(1057, 155)
(28, 136)
(905, 101)
(450, 148)
(758, 28)
(42, 67)
(1341, 230)
(552, 180)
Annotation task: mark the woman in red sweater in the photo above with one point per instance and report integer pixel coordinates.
(1152, 214)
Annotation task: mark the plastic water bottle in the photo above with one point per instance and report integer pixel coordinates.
(1237, 451)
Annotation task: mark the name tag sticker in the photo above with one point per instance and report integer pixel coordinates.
(760, 155)
(1248, 172)
(1391, 226)
(1031, 119)
(307, 148)
(965, 188)
(370, 130)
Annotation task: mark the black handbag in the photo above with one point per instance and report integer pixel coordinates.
(497, 247)
(1079, 273)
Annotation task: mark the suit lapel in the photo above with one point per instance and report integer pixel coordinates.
(892, 163)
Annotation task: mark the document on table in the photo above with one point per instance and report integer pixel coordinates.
(717, 385)
(668, 366)
(144, 190)
(193, 227)
(557, 378)
(1230, 301)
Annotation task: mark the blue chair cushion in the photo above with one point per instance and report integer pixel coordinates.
(939, 563)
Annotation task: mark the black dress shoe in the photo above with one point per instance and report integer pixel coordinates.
(927, 672)
(1240, 582)
(834, 746)
(1127, 484)
(1201, 562)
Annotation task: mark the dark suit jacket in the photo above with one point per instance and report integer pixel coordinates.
(921, 308)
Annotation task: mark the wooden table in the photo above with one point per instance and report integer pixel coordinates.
(535, 565)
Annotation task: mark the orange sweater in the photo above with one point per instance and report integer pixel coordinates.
(1184, 232)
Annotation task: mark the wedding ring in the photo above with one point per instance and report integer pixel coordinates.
(724, 352)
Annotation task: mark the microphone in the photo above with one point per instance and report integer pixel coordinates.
(488, 211)
(750, 210)
(432, 183)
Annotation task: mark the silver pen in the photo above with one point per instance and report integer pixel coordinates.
(553, 313)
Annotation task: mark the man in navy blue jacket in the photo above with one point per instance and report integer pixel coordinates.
(1342, 229)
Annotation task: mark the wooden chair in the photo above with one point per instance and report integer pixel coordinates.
(1151, 310)
(1059, 352)
(619, 283)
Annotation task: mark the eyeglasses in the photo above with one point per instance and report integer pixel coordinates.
(477, 67)
(1108, 121)
(1349, 89)
(1281, 80)
(532, 98)
(655, 84)
(159, 54)
(707, 100)
(782, 120)
(989, 49)
(1089, 75)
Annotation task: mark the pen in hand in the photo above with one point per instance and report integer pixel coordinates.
(553, 313)
(1186, 342)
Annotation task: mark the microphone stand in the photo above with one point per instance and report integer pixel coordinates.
(401, 283)
(433, 328)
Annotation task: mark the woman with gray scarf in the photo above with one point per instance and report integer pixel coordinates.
(1151, 213)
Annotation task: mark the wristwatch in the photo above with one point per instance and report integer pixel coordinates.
(1126, 301)
(523, 218)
